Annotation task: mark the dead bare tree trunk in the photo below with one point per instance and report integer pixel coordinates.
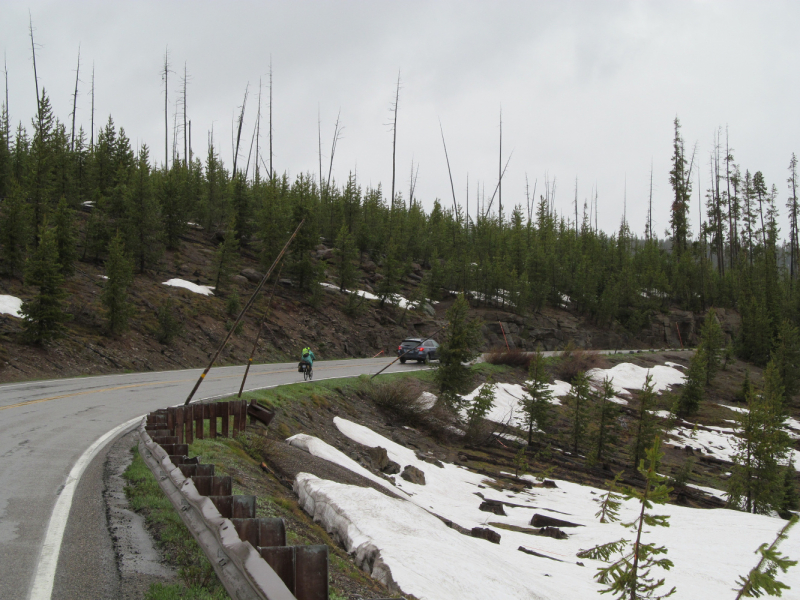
(258, 130)
(449, 172)
(75, 101)
(337, 132)
(271, 170)
(500, 172)
(239, 132)
(394, 149)
(7, 117)
(35, 76)
(190, 144)
(319, 149)
(185, 129)
(165, 77)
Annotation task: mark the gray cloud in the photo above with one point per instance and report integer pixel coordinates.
(588, 89)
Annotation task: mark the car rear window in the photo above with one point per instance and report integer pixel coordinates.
(411, 342)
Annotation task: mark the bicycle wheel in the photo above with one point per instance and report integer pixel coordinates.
(311, 373)
(305, 374)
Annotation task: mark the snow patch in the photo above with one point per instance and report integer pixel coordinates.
(205, 290)
(400, 543)
(628, 376)
(10, 305)
(396, 299)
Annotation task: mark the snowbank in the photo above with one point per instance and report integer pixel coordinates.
(412, 551)
(10, 305)
(205, 290)
(628, 376)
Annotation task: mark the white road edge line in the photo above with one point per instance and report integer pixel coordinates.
(42, 588)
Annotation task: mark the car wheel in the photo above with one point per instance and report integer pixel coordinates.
(427, 359)
(402, 361)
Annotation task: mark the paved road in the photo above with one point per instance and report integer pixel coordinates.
(47, 426)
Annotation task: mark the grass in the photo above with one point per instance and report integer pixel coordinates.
(199, 582)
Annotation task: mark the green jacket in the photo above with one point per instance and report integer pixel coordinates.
(310, 358)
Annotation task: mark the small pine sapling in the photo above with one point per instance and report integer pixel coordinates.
(762, 578)
(604, 417)
(694, 389)
(578, 399)
(647, 425)
(234, 305)
(520, 462)
(611, 502)
(537, 402)
(712, 341)
(629, 577)
(480, 407)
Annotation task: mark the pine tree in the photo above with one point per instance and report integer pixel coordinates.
(712, 339)
(762, 578)
(537, 403)
(647, 425)
(480, 406)
(757, 481)
(14, 232)
(680, 179)
(114, 297)
(791, 499)
(630, 576)
(520, 462)
(578, 400)
(462, 338)
(226, 258)
(346, 253)
(143, 225)
(693, 390)
(66, 237)
(44, 315)
(168, 324)
(786, 355)
(605, 414)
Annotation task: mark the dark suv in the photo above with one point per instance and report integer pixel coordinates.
(418, 349)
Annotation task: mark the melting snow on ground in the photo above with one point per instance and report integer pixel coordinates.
(397, 298)
(404, 544)
(628, 376)
(205, 290)
(508, 401)
(10, 305)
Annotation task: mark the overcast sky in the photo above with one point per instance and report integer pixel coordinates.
(587, 89)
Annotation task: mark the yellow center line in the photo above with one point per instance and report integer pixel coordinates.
(136, 385)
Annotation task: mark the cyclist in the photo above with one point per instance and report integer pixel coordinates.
(308, 356)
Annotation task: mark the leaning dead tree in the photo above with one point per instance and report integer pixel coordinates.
(449, 172)
(35, 76)
(75, 100)
(239, 129)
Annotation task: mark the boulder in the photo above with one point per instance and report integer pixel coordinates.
(327, 254)
(392, 468)
(486, 534)
(428, 309)
(430, 459)
(252, 275)
(552, 532)
(416, 268)
(369, 266)
(286, 282)
(493, 506)
(543, 521)
(379, 457)
(413, 475)
(240, 279)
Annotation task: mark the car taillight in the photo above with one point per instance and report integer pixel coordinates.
(399, 347)
(421, 349)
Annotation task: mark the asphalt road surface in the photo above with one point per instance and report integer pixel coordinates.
(51, 432)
